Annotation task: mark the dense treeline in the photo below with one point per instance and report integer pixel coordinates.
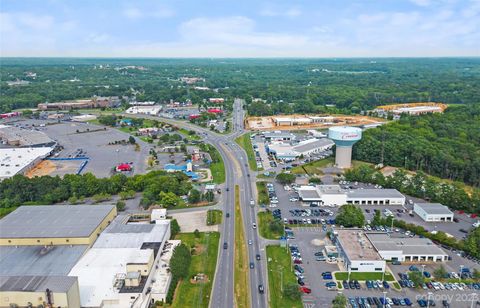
(288, 85)
(445, 145)
(157, 187)
(420, 185)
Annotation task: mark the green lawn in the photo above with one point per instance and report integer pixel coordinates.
(245, 142)
(264, 220)
(204, 260)
(6, 211)
(279, 270)
(186, 134)
(363, 276)
(218, 168)
(214, 217)
(314, 167)
(262, 193)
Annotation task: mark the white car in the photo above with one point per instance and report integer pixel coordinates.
(274, 201)
(252, 202)
(293, 199)
(249, 242)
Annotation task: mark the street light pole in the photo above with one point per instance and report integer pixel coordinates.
(428, 299)
(384, 299)
(461, 271)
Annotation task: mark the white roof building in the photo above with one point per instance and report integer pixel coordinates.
(150, 110)
(433, 212)
(18, 160)
(287, 151)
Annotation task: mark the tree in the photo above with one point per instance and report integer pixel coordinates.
(174, 228)
(168, 199)
(416, 277)
(108, 120)
(350, 215)
(276, 226)
(194, 196)
(209, 196)
(121, 205)
(131, 140)
(476, 274)
(180, 261)
(196, 233)
(377, 218)
(285, 178)
(291, 291)
(340, 301)
(440, 272)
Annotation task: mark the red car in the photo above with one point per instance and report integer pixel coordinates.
(305, 290)
(297, 261)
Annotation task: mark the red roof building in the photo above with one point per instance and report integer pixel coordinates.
(193, 116)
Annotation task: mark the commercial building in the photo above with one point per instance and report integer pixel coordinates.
(150, 110)
(279, 136)
(35, 291)
(124, 267)
(408, 249)
(411, 108)
(95, 102)
(358, 252)
(368, 251)
(334, 195)
(55, 225)
(19, 137)
(84, 118)
(216, 100)
(287, 151)
(20, 160)
(433, 212)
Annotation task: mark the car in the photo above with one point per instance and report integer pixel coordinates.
(250, 242)
(407, 301)
(463, 231)
(445, 303)
(396, 263)
(257, 257)
(351, 284)
(252, 265)
(321, 258)
(227, 189)
(305, 290)
(357, 284)
(261, 290)
(345, 285)
(300, 281)
(327, 277)
(386, 285)
(254, 226)
(225, 245)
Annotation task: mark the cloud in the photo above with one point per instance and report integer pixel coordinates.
(236, 30)
(97, 38)
(290, 12)
(137, 13)
(423, 3)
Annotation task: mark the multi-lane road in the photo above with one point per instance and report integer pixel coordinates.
(237, 173)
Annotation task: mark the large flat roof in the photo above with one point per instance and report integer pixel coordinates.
(311, 144)
(39, 260)
(120, 235)
(408, 245)
(36, 283)
(356, 245)
(374, 193)
(14, 160)
(53, 221)
(24, 137)
(434, 208)
(97, 269)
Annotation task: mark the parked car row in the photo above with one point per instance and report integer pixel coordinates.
(387, 302)
(405, 282)
(311, 212)
(298, 269)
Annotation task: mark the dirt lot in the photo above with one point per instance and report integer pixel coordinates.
(53, 168)
(189, 221)
(268, 123)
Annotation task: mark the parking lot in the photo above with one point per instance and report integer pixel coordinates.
(92, 141)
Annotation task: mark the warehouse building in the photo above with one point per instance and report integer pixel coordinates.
(305, 148)
(36, 291)
(55, 225)
(408, 249)
(135, 275)
(433, 212)
(358, 252)
(19, 137)
(20, 160)
(334, 195)
(279, 136)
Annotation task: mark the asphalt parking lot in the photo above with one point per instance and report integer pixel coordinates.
(94, 145)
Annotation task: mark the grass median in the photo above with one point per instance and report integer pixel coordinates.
(241, 280)
(280, 275)
(204, 260)
(245, 142)
(217, 167)
(262, 193)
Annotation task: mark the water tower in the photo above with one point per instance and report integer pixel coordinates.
(344, 137)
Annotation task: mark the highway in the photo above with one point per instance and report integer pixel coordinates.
(237, 173)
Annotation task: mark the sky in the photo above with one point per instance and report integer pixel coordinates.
(239, 28)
